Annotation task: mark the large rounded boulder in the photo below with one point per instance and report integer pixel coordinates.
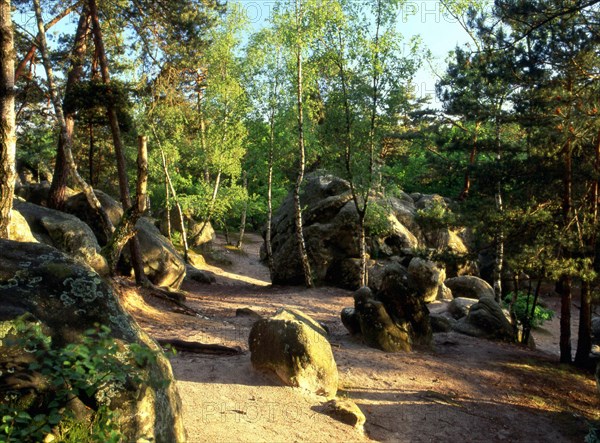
(486, 320)
(295, 347)
(330, 224)
(63, 231)
(427, 278)
(163, 265)
(67, 299)
(469, 286)
(377, 327)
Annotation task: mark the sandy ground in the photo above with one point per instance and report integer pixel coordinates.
(463, 389)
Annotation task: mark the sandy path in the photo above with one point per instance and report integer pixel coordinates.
(464, 389)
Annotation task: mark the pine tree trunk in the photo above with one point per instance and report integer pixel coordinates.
(244, 211)
(499, 259)
(111, 112)
(472, 157)
(308, 281)
(584, 338)
(566, 283)
(65, 165)
(7, 107)
(91, 152)
(66, 126)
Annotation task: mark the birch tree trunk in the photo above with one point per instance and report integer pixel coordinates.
(7, 107)
(244, 212)
(308, 281)
(171, 188)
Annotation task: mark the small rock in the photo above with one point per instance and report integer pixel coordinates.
(196, 274)
(345, 411)
(247, 312)
(350, 320)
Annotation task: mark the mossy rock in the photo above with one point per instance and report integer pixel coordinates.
(67, 299)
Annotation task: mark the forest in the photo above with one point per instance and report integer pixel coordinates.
(187, 111)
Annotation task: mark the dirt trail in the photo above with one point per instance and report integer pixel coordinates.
(464, 389)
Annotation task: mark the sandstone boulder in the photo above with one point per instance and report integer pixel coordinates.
(350, 320)
(377, 327)
(295, 347)
(427, 278)
(460, 307)
(193, 227)
(162, 263)
(18, 229)
(486, 320)
(330, 232)
(442, 322)
(65, 232)
(404, 304)
(469, 286)
(67, 299)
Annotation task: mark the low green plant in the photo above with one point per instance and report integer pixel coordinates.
(93, 370)
(522, 310)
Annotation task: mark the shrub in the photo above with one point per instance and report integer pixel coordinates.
(377, 222)
(522, 310)
(93, 371)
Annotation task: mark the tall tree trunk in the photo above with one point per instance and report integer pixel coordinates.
(308, 281)
(125, 230)
(170, 187)
(211, 205)
(472, 157)
(244, 211)
(272, 111)
(67, 125)
(499, 259)
(566, 282)
(92, 150)
(167, 203)
(268, 234)
(7, 107)
(136, 256)
(584, 336)
(65, 164)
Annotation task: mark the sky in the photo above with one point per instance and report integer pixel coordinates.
(439, 32)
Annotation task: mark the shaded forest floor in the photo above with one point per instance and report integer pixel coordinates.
(464, 389)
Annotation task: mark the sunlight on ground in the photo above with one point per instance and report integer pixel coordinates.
(242, 278)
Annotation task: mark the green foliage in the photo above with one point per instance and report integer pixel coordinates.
(377, 222)
(522, 310)
(436, 215)
(94, 370)
(593, 435)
